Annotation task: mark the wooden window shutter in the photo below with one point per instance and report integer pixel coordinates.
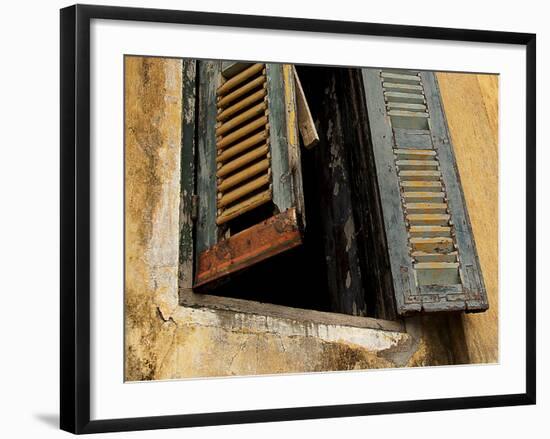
(432, 253)
(249, 185)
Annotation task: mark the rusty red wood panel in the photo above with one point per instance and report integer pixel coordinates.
(257, 243)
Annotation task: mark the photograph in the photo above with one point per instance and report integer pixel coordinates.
(271, 220)
(300, 218)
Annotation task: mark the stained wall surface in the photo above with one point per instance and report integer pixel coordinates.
(164, 340)
(471, 107)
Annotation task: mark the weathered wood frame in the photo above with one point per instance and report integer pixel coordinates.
(371, 242)
(332, 188)
(187, 176)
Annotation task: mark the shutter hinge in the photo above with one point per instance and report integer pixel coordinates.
(194, 207)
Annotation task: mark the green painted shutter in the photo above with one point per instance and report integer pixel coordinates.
(432, 253)
(248, 161)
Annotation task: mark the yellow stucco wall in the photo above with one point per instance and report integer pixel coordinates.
(471, 107)
(152, 146)
(164, 340)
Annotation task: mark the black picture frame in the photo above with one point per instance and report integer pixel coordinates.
(75, 217)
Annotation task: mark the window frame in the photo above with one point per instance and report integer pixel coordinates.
(190, 299)
(188, 218)
(190, 259)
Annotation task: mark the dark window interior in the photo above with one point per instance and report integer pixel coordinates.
(342, 266)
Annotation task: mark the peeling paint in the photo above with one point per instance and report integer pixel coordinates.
(348, 280)
(348, 231)
(372, 339)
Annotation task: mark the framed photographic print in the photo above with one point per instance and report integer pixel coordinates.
(292, 219)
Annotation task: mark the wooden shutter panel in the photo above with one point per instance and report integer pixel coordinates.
(432, 252)
(248, 162)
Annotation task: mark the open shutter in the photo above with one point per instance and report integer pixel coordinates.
(249, 186)
(432, 252)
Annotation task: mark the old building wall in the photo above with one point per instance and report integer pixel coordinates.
(164, 340)
(471, 107)
(152, 148)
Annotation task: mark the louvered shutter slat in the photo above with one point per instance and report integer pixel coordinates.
(239, 121)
